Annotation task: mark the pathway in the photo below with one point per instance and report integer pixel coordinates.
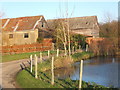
(9, 71)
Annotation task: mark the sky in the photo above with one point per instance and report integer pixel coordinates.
(52, 10)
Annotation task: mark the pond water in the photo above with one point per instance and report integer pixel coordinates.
(101, 70)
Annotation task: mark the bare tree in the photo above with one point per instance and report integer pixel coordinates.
(66, 29)
(60, 32)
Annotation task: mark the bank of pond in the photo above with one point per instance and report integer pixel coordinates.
(26, 79)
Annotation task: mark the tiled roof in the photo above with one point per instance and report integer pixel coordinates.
(3, 22)
(78, 22)
(21, 23)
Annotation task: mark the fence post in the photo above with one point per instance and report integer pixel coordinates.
(80, 78)
(31, 63)
(41, 57)
(53, 46)
(52, 71)
(73, 50)
(79, 47)
(48, 53)
(86, 48)
(57, 52)
(36, 67)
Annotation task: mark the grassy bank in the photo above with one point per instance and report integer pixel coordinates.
(7, 58)
(26, 80)
(82, 56)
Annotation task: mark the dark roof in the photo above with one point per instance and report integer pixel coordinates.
(87, 22)
(21, 23)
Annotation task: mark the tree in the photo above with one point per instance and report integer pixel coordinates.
(60, 33)
(64, 29)
(77, 39)
(109, 45)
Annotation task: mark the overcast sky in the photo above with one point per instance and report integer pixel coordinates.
(51, 10)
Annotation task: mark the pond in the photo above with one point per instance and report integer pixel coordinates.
(101, 70)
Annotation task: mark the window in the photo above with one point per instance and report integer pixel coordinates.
(87, 23)
(42, 24)
(26, 35)
(10, 35)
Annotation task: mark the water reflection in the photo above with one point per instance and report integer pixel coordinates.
(102, 70)
(64, 72)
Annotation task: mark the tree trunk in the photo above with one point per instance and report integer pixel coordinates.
(69, 49)
(57, 52)
(65, 49)
(65, 41)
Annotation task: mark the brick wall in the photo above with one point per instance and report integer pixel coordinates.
(35, 47)
(91, 40)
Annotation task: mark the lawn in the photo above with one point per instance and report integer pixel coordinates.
(76, 56)
(7, 58)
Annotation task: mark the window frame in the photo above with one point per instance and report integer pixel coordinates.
(11, 36)
(26, 35)
(42, 24)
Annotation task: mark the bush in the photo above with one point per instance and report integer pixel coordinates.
(83, 55)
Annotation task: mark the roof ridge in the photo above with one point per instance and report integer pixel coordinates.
(23, 17)
(73, 17)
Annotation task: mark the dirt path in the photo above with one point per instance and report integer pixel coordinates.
(8, 71)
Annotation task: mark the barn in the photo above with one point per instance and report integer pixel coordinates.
(22, 30)
(21, 34)
(80, 25)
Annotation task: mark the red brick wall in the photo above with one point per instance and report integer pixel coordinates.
(46, 45)
(91, 40)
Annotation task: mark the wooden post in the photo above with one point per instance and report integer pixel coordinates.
(34, 59)
(53, 46)
(31, 63)
(73, 50)
(80, 78)
(79, 47)
(36, 66)
(52, 71)
(86, 48)
(57, 52)
(48, 53)
(41, 57)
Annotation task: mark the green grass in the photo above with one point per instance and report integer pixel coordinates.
(82, 55)
(7, 58)
(25, 79)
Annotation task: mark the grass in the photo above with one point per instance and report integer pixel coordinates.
(7, 58)
(26, 80)
(83, 55)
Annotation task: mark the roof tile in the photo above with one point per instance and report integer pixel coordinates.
(24, 23)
